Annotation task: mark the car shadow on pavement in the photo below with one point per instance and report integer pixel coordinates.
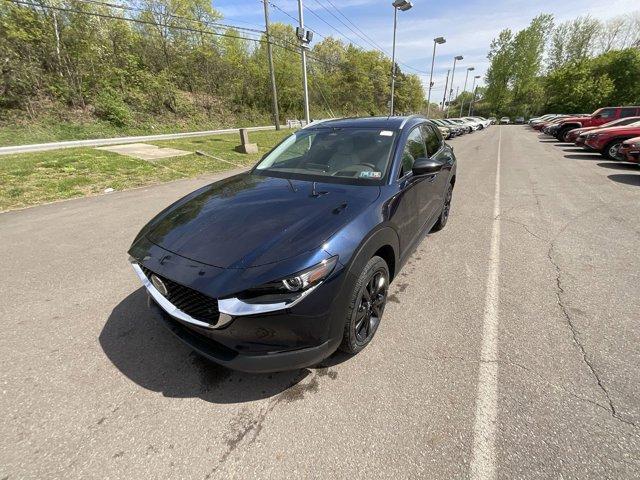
(584, 156)
(620, 166)
(143, 349)
(625, 178)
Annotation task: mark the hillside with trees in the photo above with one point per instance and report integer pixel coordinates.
(575, 66)
(173, 64)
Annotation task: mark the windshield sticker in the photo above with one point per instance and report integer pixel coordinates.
(370, 174)
(386, 133)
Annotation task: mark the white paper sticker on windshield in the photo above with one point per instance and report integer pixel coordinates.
(386, 133)
(370, 174)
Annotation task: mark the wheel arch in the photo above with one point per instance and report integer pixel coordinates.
(383, 242)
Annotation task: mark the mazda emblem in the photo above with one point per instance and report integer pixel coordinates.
(159, 284)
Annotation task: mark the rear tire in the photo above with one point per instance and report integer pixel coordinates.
(444, 213)
(366, 306)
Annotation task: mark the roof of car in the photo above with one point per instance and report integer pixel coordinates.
(389, 123)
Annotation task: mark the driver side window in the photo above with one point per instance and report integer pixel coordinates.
(413, 150)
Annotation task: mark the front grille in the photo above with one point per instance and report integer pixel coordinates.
(193, 303)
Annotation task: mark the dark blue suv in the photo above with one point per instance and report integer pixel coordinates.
(276, 268)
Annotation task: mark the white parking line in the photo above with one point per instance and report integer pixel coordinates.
(484, 429)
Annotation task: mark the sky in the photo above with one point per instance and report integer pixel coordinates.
(468, 26)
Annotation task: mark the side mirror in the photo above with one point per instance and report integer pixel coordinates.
(426, 166)
(597, 116)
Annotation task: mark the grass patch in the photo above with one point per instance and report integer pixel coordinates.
(52, 129)
(33, 178)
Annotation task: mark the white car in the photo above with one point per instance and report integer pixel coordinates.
(474, 124)
(505, 121)
(484, 123)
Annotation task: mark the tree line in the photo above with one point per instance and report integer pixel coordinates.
(571, 67)
(177, 58)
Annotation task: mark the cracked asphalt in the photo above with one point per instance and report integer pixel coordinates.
(94, 387)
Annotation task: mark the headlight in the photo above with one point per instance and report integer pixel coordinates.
(290, 288)
(311, 276)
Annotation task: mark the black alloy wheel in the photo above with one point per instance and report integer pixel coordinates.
(368, 300)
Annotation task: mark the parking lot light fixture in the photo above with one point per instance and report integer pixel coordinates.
(402, 5)
(436, 41)
(453, 73)
(466, 78)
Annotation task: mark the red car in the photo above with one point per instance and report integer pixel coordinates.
(597, 118)
(630, 150)
(607, 141)
(573, 135)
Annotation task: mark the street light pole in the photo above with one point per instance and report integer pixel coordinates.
(444, 97)
(453, 74)
(274, 91)
(403, 5)
(436, 41)
(473, 89)
(466, 78)
(304, 40)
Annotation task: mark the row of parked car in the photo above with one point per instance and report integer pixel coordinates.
(612, 131)
(454, 127)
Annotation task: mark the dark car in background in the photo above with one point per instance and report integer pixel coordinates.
(276, 268)
(519, 121)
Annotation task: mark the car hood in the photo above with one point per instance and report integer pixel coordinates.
(575, 119)
(250, 220)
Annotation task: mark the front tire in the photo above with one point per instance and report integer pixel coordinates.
(366, 306)
(611, 150)
(562, 134)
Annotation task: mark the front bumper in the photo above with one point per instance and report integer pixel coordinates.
(251, 363)
(293, 336)
(594, 144)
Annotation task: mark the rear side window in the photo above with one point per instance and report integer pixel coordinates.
(627, 112)
(608, 113)
(432, 139)
(413, 150)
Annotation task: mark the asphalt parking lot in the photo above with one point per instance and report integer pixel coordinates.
(509, 348)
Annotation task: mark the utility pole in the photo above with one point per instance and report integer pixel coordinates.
(304, 38)
(272, 73)
(444, 97)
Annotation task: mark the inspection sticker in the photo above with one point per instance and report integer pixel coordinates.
(386, 133)
(371, 174)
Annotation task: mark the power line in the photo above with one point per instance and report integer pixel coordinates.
(355, 26)
(376, 47)
(171, 15)
(281, 10)
(371, 43)
(134, 20)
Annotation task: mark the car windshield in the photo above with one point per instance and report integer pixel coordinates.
(346, 155)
